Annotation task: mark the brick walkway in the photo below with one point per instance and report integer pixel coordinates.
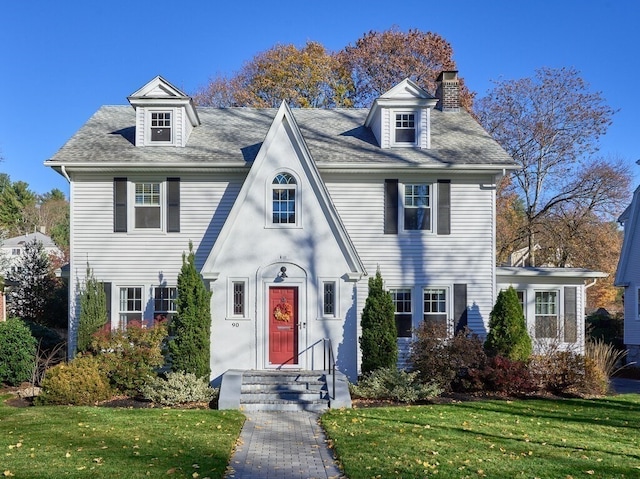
(282, 445)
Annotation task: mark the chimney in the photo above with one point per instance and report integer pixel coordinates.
(448, 91)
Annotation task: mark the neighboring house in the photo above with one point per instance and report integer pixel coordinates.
(628, 276)
(289, 212)
(12, 248)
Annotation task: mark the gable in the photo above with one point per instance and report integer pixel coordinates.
(629, 257)
(251, 233)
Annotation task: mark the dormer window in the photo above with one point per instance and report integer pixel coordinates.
(405, 129)
(161, 126)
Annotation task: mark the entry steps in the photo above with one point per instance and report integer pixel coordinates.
(282, 390)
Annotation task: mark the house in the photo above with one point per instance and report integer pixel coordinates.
(628, 276)
(12, 248)
(289, 212)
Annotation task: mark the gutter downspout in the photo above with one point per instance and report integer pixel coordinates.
(64, 173)
(588, 285)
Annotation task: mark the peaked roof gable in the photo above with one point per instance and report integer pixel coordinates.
(285, 119)
(631, 219)
(406, 94)
(158, 88)
(407, 89)
(159, 92)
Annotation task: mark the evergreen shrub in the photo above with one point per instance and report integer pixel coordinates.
(178, 388)
(379, 334)
(80, 382)
(508, 334)
(17, 352)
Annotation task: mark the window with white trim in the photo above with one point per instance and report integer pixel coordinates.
(403, 311)
(164, 303)
(521, 300)
(417, 200)
(329, 298)
(161, 127)
(283, 205)
(16, 251)
(239, 297)
(405, 128)
(436, 309)
(546, 319)
(147, 205)
(130, 305)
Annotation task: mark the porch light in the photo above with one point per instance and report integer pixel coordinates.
(283, 272)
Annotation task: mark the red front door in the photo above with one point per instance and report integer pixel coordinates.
(283, 325)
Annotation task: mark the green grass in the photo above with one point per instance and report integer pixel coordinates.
(556, 439)
(80, 442)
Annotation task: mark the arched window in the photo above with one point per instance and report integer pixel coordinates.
(283, 188)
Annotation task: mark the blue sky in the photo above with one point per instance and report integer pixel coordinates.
(60, 61)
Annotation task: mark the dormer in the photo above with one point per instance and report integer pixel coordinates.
(165, 116)
(401, 117)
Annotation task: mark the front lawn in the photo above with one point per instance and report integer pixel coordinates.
(60, 441)
(559, 439)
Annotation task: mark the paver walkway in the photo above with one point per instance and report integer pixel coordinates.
(282, 445)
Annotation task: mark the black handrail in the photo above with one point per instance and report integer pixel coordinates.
(330, 364)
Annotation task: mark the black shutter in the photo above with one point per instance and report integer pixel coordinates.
(120, 205)
(173, 205)
(444, 207)
(391, 207)
(570, 314)
(107, 293)
(459, 307)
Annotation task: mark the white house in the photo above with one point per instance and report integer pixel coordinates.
(289, 211)
(628, 276)
(12, 248)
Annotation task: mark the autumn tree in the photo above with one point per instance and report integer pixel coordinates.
(305, 77)
(550, 124)
(379, 60)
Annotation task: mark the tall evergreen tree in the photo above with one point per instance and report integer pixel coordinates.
(379, 334)
(33, 285)
(93, 310)
(190, 328)
(508, 334)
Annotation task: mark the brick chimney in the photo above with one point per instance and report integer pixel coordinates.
(448, 91)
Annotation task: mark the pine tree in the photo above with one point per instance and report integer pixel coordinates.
(33, 285)
(379, 334)
(190, 328)
(508, 336)
(93, 310)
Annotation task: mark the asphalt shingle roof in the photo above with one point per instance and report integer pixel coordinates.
(234, 135)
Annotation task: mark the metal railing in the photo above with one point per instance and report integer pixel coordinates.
(330, 364)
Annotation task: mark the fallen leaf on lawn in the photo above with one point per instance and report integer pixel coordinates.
(8, 473)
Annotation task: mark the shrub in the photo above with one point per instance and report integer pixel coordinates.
(447, 361)
(596, 382)
(48, 339)
(505, 376)
(394, 384)
(562, 372)
(508, 335)
(178, 388)
(17, 352)
(605, 356)
(93, 310)
(130, 357)
(379, 335)
(80, 382)
(189, 346)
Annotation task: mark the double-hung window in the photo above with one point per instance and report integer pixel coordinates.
(435, 309)
(403, 312)
(405, 128)
(546, 314)
(161, 126)
(130, 306)
(148, 209)
(164, 303)
(283, 190)
(417, 206)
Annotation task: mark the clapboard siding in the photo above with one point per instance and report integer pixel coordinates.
(424, 259)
